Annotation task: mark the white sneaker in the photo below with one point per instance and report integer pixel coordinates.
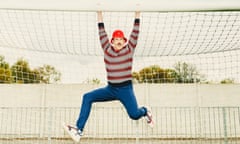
(74, 132)
(149, 118)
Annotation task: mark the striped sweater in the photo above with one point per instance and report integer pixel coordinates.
(118, 64)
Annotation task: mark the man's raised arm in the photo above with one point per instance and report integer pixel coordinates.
(104, 41)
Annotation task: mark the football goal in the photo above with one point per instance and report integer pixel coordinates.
(181, 42)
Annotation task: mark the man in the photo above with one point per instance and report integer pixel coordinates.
(118, 59)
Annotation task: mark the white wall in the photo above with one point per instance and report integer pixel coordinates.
(62, 102)
(69, 95)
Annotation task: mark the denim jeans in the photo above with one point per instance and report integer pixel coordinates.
(124, 94)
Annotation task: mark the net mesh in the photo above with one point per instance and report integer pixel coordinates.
(207, 42)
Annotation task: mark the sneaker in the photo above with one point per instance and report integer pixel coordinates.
(149, 118)
(74, 132)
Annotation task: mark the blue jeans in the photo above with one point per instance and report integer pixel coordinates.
(124, 94)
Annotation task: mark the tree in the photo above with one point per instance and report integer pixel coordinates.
(22, 73)
(182, 73)
(186, 73)
(154, 74)
(48, 74)
(5, 71)
(170, 75)
(227, 81)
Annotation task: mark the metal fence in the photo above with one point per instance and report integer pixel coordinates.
(107, 125)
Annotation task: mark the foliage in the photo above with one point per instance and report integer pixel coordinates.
(227, 81)
(93, 81)
(20, 72)
(182, 73)
(5, 71)
(186, 73)
(154, 74)
(48, 74)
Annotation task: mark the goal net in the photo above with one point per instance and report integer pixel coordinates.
(172, 47)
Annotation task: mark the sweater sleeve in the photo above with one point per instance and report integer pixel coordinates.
(103, 37)
(134, 34)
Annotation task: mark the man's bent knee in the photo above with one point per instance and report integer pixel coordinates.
(87, 98)
(134, 116)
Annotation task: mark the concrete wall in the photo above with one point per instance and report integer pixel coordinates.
(69, 95)
(44, 107)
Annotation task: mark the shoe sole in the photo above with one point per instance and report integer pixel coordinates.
(151, 124)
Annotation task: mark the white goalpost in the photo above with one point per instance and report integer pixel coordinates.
(123, 5)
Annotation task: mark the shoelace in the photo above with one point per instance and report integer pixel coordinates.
(149, 118)
(79, 132)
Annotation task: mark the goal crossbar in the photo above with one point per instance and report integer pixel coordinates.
(124, 5)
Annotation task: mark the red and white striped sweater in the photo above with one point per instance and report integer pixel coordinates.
(119, 63)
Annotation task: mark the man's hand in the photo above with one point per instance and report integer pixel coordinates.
(137, 14)
(99, 16)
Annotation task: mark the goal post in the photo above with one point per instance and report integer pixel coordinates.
(123, 5)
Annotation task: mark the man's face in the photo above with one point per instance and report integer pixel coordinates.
(118, 43)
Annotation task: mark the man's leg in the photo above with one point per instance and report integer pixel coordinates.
(98, 95)
(128, 99)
